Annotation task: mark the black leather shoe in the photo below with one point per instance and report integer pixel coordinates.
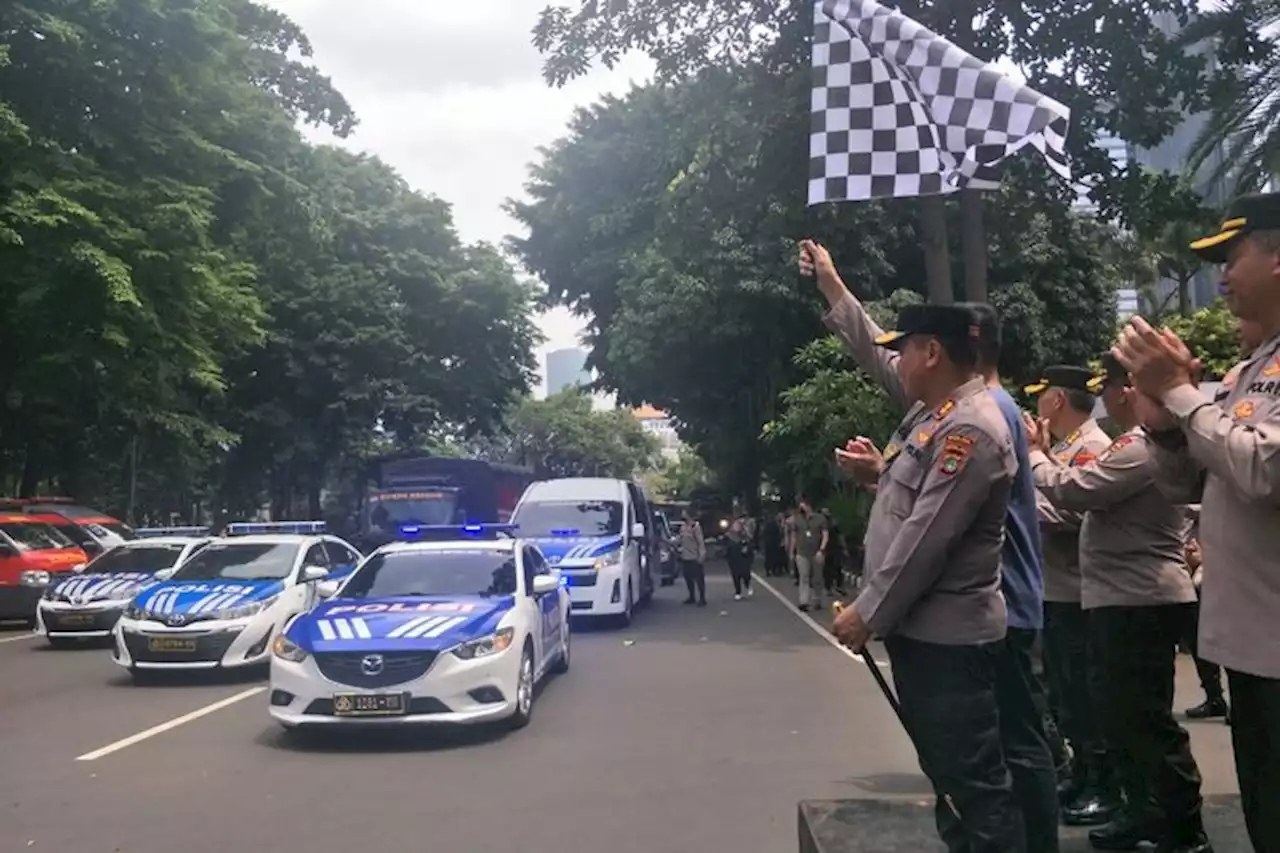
(1208, 709)
(1091, 809)
(1127, 832)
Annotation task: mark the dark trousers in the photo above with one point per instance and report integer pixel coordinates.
(1068, 675)
(695, 578)
(1136, 649)
(948, 699)
(832, 572)
(739, 569)
(1255, 738)
(1026, 748)
(1210, 673)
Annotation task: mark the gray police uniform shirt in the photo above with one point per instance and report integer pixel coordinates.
(1131, 540)
(1227, 453)
(937, 526)
(1061, 528)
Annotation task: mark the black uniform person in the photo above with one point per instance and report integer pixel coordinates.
(932, 586)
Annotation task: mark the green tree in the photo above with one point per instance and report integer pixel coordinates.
(563, 436)
(1212, 334)
(680, 478)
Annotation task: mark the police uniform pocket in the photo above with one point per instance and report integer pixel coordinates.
(903, 481)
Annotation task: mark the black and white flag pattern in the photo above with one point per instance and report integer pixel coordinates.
(899, 111)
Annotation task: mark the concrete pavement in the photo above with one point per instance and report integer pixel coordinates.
(695, 729)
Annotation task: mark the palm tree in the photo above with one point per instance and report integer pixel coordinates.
(1244, 123)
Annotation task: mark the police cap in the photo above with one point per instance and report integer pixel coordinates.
(1246, 214)
(1067, 376)
(1112, 371)
(950, 322)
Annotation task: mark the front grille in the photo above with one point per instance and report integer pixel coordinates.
(584, 579)
(397, 667)
(419, 705)
(209, 647)
(71, 621)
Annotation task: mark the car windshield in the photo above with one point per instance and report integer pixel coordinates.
(568, 518)
(244, 561)
(390, 510)
(472, 571)
(35, 536)
(144, 559)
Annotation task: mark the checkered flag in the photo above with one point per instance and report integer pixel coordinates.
(899, 111)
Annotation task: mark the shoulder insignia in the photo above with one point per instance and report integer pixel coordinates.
(1272, 369)
(955, 450)
(1244, 409)
(944, 410)
(1122, 441)
(1084, 457)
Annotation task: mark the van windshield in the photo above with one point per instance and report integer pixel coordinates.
(35, 536)
(542, 519)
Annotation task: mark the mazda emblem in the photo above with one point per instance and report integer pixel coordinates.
(371, 664)
(177, 619)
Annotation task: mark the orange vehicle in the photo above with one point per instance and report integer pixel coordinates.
(31, 555)
(91, 529)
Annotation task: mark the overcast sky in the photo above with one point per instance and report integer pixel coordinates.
(451, 95)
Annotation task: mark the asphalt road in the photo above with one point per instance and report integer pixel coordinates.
(695, 729)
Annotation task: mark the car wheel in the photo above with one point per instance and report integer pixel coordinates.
(625, 619)
(562, 663)
(524, 692)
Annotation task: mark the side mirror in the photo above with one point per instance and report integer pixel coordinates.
(327, 589)
(314, 573)
(165, 574)
(637, 531)
(543, 584)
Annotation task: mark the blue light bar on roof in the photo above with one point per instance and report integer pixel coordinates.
(440, 532)
(153, 532)
(249, 528)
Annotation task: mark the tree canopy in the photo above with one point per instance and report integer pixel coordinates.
(202, 310)
(563, 436)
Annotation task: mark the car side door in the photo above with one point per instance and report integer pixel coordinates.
(342, 558)
(550, 606)
(645, 544)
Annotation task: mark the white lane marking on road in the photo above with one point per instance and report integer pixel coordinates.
(125, 743)
(808, 620)
(19, 637)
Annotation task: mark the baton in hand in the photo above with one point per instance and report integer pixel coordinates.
(889, 697)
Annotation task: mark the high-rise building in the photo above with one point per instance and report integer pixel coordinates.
(566, 368)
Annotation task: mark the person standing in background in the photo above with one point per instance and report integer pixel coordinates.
(1215, 700)
(692, 551)
(775, 554)
(809, 536)
(741, 537)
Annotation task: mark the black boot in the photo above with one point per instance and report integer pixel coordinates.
(1099, 801)
(1130, 829)
(1214, 706)
(1186, 836)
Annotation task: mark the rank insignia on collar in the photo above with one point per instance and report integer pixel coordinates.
(1243, 409)
(891, 450)
(944, 410)
(1273, 368)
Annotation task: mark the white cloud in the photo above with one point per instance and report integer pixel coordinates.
(451, 94)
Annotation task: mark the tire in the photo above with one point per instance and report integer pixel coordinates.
(562, 662)
(646, 597)
(624, 619)
(525, 685)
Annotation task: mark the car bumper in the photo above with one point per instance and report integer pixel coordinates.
(204, 645)
(596, 593)
(59, 620)
(452, 691)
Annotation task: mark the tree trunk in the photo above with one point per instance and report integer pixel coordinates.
(937, 256)
(973, 235)
(1184, 296)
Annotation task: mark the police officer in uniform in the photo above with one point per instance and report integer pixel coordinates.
(1137, 597)
(1228, 452)
(1064, 404)
(933, 588)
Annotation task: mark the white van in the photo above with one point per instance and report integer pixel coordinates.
(600, 534)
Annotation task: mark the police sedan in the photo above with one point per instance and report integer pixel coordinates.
(426, 632)
(88, 604)
(224, 606)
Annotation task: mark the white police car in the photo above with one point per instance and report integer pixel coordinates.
(426, 632)
(229, 600)
(88, 604)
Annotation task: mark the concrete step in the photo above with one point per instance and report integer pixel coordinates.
(906, 826)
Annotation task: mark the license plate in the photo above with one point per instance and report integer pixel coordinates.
(370, 705)
(171, 644)
(76, 619)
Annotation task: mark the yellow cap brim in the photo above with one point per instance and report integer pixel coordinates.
(1214, 248)
(1035, 388)
(889, 338)
(1095, 383)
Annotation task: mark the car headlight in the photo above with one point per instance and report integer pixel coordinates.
(34, 577)
(485, 646)
(134, 611)
(287, 649)
(609, 560)
(244, 611)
